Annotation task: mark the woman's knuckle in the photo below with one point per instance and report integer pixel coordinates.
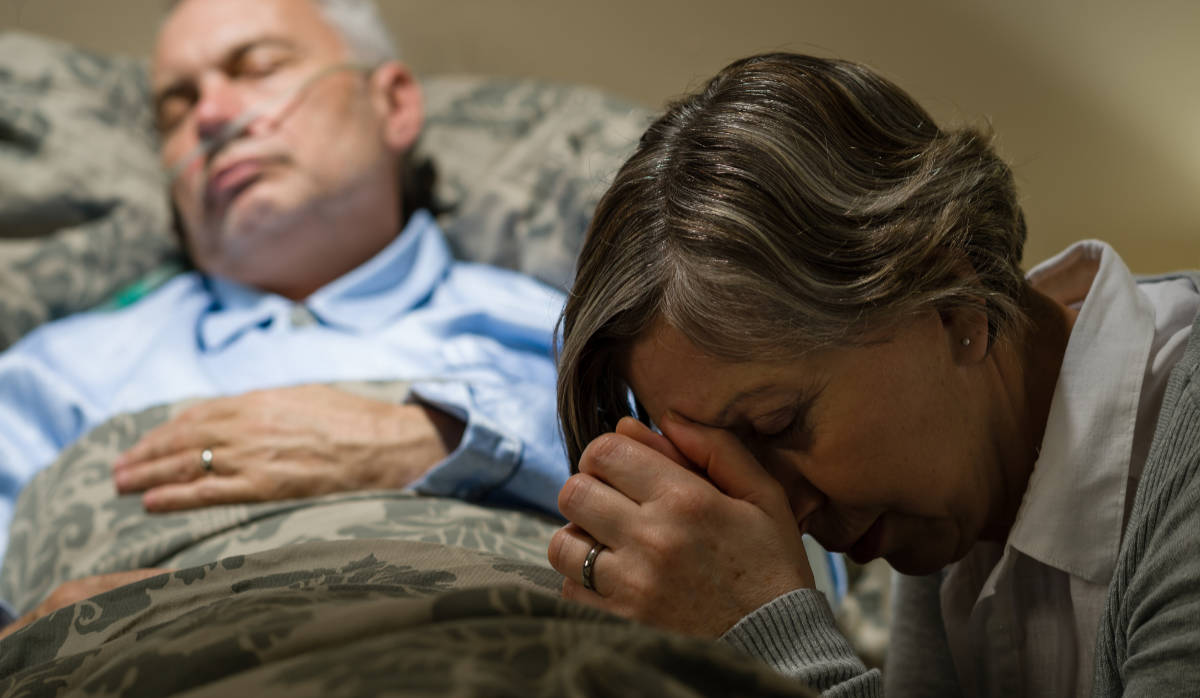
(602, 448)
(573, 493)
(687, 503)
(556, 551)
(663, 543)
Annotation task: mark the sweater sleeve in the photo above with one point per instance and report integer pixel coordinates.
(1149, 636)
(1149, 639)
(918, 659)
(796, 634)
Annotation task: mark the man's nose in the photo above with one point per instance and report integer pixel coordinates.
(220, 104)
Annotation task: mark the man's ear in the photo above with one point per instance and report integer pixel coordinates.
(397, 98)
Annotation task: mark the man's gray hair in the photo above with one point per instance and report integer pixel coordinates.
(361, 27)
(358, 23)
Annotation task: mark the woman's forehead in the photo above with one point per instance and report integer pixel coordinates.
(666, 370)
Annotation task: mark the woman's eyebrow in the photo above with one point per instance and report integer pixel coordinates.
(803, 401)
(723, 415)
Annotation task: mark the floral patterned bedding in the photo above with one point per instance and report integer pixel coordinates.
(355, 594)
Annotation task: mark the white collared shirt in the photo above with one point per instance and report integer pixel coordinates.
(1021, 617)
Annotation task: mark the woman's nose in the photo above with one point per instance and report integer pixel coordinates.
(804, 498)
(788, 471)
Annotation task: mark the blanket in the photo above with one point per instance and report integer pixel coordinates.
(361, 593)
(359, 618)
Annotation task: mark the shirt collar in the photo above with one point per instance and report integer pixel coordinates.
(398, 278)
(1073, 511)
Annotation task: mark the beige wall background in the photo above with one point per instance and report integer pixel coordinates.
(1096, 105)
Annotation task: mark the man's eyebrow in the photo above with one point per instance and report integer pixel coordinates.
(245, 47)
(183, 85)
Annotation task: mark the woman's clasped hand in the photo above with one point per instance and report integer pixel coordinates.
(695, 533)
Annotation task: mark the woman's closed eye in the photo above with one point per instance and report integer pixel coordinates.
(789, 427)
(785, 430)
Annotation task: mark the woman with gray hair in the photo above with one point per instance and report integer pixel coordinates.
(800, 308)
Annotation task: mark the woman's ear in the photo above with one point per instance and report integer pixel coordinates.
(967, 332)
(397, 97)
(967, 325)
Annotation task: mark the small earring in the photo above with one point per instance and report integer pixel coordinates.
(966, 341)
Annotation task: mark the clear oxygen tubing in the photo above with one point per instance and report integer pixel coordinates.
(276, 108)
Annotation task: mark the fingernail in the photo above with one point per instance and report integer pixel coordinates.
(122, 481)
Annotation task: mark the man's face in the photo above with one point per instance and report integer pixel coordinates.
(310, 186)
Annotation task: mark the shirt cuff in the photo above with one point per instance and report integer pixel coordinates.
(796, 634)
(484, 459)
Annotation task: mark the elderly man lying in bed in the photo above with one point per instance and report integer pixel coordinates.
(286, 127)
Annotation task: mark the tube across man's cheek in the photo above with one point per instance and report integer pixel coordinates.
(276, 110)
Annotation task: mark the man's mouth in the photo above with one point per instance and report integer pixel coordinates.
(230, 181)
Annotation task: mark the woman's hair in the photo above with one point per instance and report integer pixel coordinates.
(793, 203)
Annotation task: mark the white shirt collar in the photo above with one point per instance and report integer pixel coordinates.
(397, 279)
(1073, 511)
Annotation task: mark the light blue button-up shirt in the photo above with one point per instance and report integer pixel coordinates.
(475, 341)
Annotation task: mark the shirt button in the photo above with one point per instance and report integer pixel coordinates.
(301, 316)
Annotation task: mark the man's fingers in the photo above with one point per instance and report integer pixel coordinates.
(192, 429)
(78, 590)
(628, 426)
(207, 491)
(112, 580)
(726, 462)
(164, 440)
(209, 410)
(141, 476)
